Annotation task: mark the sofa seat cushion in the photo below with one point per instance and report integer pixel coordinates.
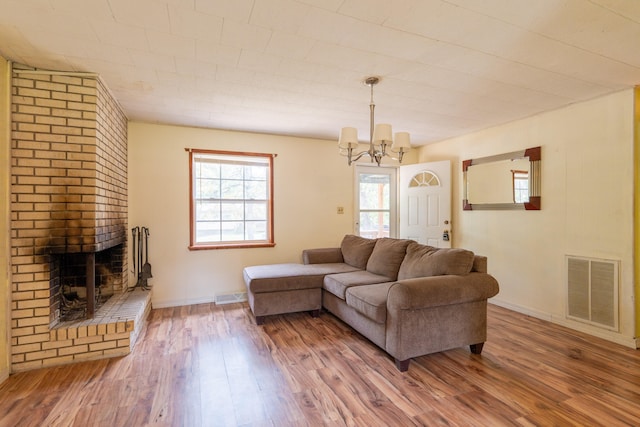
(370, 300)
(287, 277)
(338, 284)
(356, 250)
(387, 257)
(425, 261)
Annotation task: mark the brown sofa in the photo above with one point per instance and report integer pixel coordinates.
(409, 299)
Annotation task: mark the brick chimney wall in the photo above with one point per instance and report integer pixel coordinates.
(111, 171)
(68, 195)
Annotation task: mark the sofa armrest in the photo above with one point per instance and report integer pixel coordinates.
(434, 291)
(479, 264)
(322, 256)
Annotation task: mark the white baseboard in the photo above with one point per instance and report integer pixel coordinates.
(524, 310)
(217, 299)
(577, 326)
(178, 303)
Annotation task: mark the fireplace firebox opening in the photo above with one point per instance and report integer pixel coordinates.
(82, 282)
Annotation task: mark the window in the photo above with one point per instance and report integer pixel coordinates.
(520, 186)
(231, 199)
(424, 179)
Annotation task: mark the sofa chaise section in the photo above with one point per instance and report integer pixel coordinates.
(287, 288)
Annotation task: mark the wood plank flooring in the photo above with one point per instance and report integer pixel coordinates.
(207, 365)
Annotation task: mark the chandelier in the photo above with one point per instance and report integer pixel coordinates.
(380, 139)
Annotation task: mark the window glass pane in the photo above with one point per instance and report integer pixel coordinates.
(255, 190)
(256, 230)
(208, 211)
(231, 171)
(374, 224)
(208, 189)
(208, 170)
(231, 190)
(233, 231)
(232, 211)
(256, 173)
(374, 191)
(255, 211)
(207, 231)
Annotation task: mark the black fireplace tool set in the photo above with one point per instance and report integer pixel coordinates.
(140, 241)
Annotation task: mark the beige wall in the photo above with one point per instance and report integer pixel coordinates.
(4, 218)
(587, 206)
(311, 181)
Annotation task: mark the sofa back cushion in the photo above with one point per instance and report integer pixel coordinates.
(356, 250)
(387, 257)
(423, 261)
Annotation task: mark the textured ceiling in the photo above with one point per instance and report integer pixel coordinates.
(296, 67)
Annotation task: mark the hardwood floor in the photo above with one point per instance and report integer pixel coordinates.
(208, 365)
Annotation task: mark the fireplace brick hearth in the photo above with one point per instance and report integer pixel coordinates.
(112, 332)
(68, 196)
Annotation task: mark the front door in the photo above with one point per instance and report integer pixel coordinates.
(425, 203)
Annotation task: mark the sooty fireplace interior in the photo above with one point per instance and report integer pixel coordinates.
(82, 282)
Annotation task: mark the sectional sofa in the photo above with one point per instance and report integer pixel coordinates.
(407, 298)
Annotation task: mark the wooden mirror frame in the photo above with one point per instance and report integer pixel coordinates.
(534, 204)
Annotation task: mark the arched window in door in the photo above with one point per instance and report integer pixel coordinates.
(424, 179)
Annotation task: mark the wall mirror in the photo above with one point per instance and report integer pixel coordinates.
(506, 181)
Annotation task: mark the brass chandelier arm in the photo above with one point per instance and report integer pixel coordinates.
(375, 155)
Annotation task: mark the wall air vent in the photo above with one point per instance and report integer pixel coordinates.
(592, 291)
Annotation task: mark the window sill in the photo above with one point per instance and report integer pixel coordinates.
(242, 245)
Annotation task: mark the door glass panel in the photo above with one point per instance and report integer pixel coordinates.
(375, 205)
(374, 224)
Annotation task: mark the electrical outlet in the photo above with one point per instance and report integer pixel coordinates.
(340, 210)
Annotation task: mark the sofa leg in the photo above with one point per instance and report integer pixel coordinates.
(315, 313)
(259, 320)
(476, 348)
(402, 365)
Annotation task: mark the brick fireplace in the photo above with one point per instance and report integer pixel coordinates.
(69, 208)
